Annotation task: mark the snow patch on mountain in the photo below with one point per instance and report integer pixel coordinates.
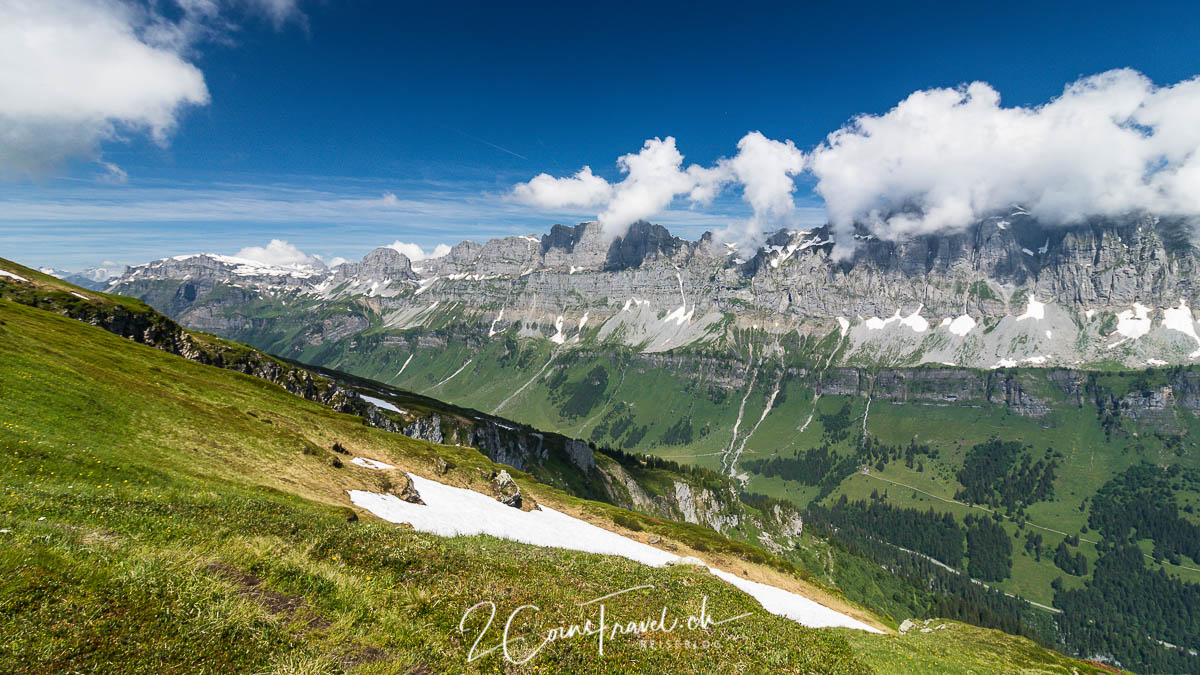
(961, 325)
(558, 337)
(844, 325)
(371, 463)
(1134, 323)
(1033, 310)
(382, 403)
(915, 321)
(1180, 319)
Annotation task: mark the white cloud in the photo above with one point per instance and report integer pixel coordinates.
(581, 190)
(766, 169)
(278, 11)
(279, 253)
(76, 72)
(414, 252)
(942, 159)
(113, 173)
(655, 177)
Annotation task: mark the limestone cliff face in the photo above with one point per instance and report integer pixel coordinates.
(1008, 292)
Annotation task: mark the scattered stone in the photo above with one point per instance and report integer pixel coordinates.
(337, 447)
(507, 492)
(399, 484)
(336, 462)
(906, 626)
(654, 540)
(441, 467)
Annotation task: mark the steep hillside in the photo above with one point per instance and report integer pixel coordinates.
(663, 489)
(150, 497)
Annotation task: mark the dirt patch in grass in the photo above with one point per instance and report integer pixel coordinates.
(293, 607)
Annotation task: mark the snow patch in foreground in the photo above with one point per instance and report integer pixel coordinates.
(371, 463)
(10, 275)
(450, 511)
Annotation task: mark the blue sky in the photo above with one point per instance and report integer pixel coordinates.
(342, 126)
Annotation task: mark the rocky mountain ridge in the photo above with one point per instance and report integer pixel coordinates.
(1007, 293)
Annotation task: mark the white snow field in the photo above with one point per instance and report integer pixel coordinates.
(371, 463)
(450, 511)
(10, 275)
(382, 403)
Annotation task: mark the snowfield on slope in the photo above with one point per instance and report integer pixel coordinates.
(371, 463)
(450, 511)
(382, 403)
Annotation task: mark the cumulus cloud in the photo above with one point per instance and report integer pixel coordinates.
(582, 190)
(942, 159)
(414, 252)
(1111, 144)
(279, 253)
(766, 170)
(655, 177)
(76, 73)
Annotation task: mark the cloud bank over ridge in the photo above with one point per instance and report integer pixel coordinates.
(940, 160)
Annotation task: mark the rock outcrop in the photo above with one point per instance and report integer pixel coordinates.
(507, 492)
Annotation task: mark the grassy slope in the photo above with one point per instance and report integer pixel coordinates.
(166, 515)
